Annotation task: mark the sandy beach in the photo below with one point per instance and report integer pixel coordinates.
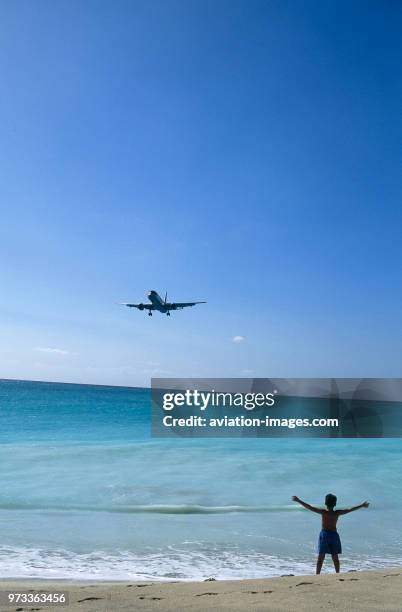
(351, 591)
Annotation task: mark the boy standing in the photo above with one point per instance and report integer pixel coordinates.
(329, 540)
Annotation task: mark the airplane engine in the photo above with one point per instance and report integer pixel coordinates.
(141, 307)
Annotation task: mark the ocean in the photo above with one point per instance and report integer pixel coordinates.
(87, 493)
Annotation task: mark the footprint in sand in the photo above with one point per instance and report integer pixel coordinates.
(152, 598)
(89, 599)
(301, 583)
(201, 594)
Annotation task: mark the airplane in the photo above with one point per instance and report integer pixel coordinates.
(161, 305)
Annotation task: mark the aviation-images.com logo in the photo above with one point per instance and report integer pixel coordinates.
(192, 398)
(312, 407)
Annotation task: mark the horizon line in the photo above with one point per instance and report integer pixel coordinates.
(58, 382)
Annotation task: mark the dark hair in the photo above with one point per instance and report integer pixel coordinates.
(330, 501)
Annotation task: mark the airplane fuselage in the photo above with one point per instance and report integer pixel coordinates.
(157, 302)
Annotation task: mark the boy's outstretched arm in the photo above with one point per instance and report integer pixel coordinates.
(306, 505)
(347, 510)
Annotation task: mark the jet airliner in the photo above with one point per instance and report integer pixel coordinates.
(161, 305)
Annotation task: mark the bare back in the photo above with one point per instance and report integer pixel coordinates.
(329, 519)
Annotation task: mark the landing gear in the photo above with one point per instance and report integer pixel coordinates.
(168, 314)
(150, 314)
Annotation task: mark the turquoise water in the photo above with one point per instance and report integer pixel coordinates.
(85, 492)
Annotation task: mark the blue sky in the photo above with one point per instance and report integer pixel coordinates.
(246, 153)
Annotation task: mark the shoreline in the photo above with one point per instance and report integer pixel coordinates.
(354, 590)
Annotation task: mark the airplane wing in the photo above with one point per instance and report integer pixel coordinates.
(139, 306)
(175, 305)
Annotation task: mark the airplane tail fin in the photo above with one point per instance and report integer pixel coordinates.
(165, 297)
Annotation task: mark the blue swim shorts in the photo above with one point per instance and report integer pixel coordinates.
(329, 543)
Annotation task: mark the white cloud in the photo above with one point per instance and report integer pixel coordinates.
(238, 339)
(48, 349)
